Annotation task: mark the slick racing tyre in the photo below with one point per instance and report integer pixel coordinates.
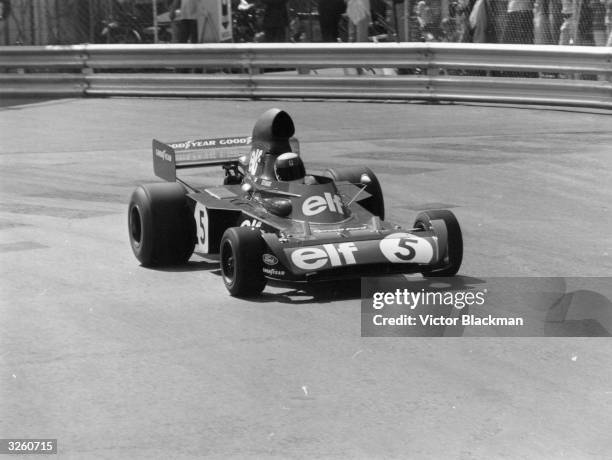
(161, 228)
(241, 252)
(444, 224)
(375, 203)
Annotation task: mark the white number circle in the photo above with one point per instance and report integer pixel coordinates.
(406, 248)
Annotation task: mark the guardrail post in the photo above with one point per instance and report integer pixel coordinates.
(251, 68)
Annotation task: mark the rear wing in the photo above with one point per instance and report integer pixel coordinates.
(167, 158)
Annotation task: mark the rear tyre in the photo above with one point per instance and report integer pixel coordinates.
(446, 227)
(375, 203)
(160, 226)
(241, 252)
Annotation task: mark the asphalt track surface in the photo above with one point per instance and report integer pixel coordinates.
(118, 361)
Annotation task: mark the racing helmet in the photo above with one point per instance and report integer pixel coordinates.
(289, 166)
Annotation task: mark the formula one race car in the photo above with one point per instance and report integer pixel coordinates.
(270, 220)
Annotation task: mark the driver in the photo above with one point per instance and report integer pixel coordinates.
(289, 167)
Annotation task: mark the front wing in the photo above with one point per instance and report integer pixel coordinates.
(390, 252)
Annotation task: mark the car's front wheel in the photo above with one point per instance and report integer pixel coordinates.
(445, 226)
(241, 252)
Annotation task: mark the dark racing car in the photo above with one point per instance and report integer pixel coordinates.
(271, 220)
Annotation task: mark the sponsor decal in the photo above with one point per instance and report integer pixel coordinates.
(316, 257)
(251, 223)
(235, 141)
(186, 145)
(254, 160)
(269, 259)
(163, 155)
(406, 248)
(208, 143)
(273, 272)
(317, 204)
(201, 218)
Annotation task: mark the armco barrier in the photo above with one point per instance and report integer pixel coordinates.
(573, 76)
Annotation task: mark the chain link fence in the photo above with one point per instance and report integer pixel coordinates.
(61, 22)
(566, 22)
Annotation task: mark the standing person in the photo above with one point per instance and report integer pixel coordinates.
(548, 18)
(275, 20)
(519, 22)
(598, 8)
(186, 12)
(5, 9)
(358, 12)
(330, 12)
(429, 17)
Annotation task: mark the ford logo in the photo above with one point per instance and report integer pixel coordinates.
(269, 259)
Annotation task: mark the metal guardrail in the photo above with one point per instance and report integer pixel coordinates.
(574, 76)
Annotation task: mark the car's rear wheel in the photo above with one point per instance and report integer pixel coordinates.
(374, 203)
(445, 226)
(160, 226)
(241, 252)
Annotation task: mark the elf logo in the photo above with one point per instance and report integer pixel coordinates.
(254, 161)
(251, 223)
(315, 257)
(317, 204)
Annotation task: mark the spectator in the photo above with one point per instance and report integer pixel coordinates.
(5, 9)
(608, 21)
(378, 14)
(275, 20)
(600, 36)
(578, 22)
(429, 16)
(186, 13)
(461, 11)
(330, 12)
(548, 18)
(519, 22)
(482, 26)
(566, 30)
(584, 33)
(358, 12)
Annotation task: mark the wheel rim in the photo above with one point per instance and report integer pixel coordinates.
(135, 226)
(228, 266)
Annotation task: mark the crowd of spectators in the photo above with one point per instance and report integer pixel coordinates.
(564, 22)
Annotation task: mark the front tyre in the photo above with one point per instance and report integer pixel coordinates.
(241, 252)
(445, 226)
(160, 226)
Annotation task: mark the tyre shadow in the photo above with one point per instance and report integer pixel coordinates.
(191, 266)
(328, 291)
(320, 292)
(351, 289)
